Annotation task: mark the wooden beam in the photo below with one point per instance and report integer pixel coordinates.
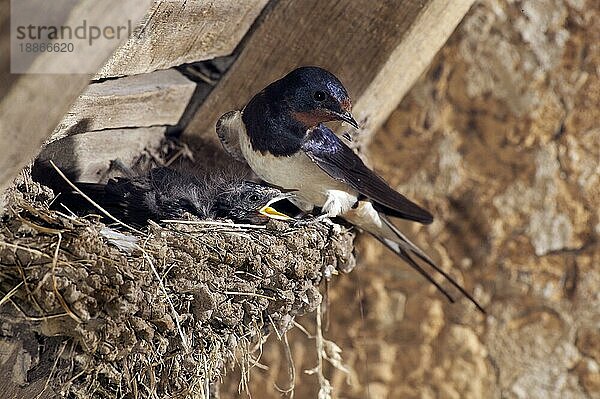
(176, 32)
(15, 361)
(7, 79)
(33, 104)
(377, 48)
(87, 156)
(411, 57)
(152, 99)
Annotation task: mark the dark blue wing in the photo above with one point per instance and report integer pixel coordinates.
(325, 149)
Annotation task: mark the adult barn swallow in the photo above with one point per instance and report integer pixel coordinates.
(281, 134)
(165, 193)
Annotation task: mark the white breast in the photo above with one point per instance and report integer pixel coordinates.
(298, 172)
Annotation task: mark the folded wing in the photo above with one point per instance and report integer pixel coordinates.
(228, 128)
(335, 158)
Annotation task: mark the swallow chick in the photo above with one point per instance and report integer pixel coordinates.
(250, 202)
(281, 135)
(165, 193)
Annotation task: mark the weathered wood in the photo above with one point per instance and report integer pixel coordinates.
(33, 104)
(87, 156)
(425, 36)
(15, 361)
(377, 48)
(154, 99)
(6, 78)
(176, 32)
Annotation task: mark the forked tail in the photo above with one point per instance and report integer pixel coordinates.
(405, 249)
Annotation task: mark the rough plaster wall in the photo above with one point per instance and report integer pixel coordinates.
(501, 140)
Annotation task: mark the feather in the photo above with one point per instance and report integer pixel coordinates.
(228, 129)
(334, 157)
(403, 247)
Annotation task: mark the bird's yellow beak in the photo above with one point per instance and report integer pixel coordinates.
(273, 213)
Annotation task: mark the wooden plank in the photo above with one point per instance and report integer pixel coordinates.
(33, 104)
(424, 38)
(176, 32)
(153, 99)
(7, 78)
(15, 360)
(87, 156)
(377, 48)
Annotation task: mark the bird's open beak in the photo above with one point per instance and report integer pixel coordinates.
(273, 213)
(347, 117)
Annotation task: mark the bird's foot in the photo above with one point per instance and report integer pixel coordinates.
(312, 220)
(325, 218)
(307, 221)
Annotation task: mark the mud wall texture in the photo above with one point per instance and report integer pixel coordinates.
(501, 140)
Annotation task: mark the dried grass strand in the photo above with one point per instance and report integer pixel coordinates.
(91, 201)
(60, 298)
(215, 223)
(184, 341)
(10, 293)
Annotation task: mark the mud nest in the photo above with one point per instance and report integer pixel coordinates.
(163, 312)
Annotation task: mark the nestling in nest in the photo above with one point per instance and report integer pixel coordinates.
(168, 316)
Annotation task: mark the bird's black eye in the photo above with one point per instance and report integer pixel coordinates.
(319, 96)
(253, 198)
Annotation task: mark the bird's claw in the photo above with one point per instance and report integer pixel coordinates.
(324, 219)
(303, 222)
(310, 220)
